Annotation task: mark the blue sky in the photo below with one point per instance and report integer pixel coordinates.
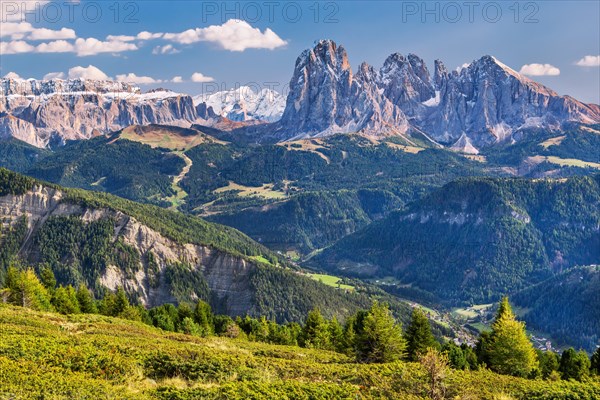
(263, 49)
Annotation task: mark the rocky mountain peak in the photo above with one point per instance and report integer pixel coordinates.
(440, 74)
(406, 82)
(325, 98)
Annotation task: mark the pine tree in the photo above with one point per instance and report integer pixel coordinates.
(509, 350)
(418, 335)
(380, 337)
(87, 305)
(315, 332)
(574, 365)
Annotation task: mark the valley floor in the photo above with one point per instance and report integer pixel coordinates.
(52, 356)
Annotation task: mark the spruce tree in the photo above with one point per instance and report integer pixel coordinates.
(315, 332)
(549, 362)
(595, 362)
(574, 365)
(203, 316)
(121, 302)
(87, 305)
(380, 337)
(509, 350)
(418, 335)
(47, 278)
(336, 335)
(65, 301)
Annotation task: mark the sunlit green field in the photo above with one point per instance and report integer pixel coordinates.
(51, 356)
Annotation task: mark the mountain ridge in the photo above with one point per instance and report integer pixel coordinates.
(484, 104)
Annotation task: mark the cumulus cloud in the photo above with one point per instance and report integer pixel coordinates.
(233, 35)
(145, 35)
(589, 61)
(53, 75)
(93, 46)
(177, 79)
(49, 34)
(539, 70)
(167, 49)
(15, 47)
(12, 75)
(24, 30)
(57, 46)
(201, 78)
(89, 72)
(133, 78)
(120, 38)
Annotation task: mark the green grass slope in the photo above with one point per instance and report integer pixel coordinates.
(53, 356)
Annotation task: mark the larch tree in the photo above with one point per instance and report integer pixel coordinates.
(508, 348)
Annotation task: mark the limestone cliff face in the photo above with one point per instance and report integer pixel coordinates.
(227, 276)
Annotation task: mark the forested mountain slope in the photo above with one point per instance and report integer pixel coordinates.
(157, 255)
(477, 238)
(567, 306)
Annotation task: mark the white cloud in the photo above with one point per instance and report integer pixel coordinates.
(167, 49)
(201, 78)
(53, 75)
(145, 35)
(233, 35)
(539, 70)
(15, 47)
(177, 79)
(133, 78)
(58, 46)
(12, 75)
(49, 34)
(24, 30)
(15, 30)
(89, 72)
(93, 46)
(120, 38)
(589, 61)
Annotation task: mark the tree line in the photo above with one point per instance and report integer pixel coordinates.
(368, 336)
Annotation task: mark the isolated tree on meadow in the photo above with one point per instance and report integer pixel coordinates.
(508, 347)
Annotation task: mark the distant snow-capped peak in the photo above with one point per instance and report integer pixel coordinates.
(245, 104)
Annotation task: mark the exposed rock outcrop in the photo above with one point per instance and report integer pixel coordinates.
(227, 276)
